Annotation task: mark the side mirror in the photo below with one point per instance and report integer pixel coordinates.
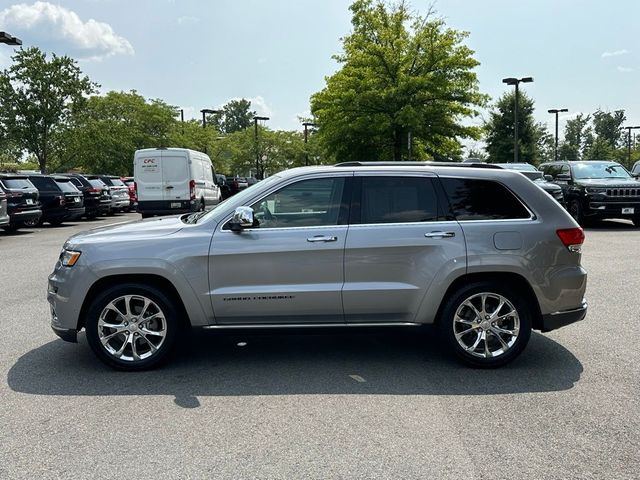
(242, 218)
(548, 178)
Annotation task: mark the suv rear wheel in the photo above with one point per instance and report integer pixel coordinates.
(486, 324)
(132, 326)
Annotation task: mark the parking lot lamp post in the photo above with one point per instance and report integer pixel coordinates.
(628, 129)
(556, 111)
(207, 111)
(9, 39)
(306, 153)
(255, 127)
(516, 82)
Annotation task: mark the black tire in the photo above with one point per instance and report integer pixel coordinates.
(449, 326)
(34, 222)
(145, 215)
(165, 305)
(202, 206)
(576, 211)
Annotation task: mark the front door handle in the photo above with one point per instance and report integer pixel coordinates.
(440, 234)
(169, 187)
(322, 238)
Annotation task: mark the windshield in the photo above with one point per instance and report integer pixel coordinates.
(67, 186)
(17, 183)
(521, 167)
(237, 200)
(599, 170)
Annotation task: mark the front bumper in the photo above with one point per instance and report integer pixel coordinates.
(555, 320)
(66, 335)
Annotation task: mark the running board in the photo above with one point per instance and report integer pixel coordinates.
(310, 325)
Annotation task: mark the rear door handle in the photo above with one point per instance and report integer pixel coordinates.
(440, 234)
(322, 238)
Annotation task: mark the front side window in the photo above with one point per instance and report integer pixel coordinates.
(307, 203)
(398, 200)
(482, 200)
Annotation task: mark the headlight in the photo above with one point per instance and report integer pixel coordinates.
(596, 190)
(68, 258)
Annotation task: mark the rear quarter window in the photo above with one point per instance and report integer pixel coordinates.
(472, 199)
(44, 183)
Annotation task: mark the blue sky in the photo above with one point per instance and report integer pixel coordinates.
(197, 53)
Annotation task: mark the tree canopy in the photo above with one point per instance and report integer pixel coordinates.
(38, 97)
(400, 73)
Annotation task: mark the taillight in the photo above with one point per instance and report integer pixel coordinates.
(94, 190)
(572, 238)
(192, 189)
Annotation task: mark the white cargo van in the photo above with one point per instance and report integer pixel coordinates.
(174, 180)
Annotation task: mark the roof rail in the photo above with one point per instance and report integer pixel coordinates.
(419, 164)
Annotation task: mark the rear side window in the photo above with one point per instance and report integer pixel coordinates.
(97, 183)
(398, 200)
(482, 200)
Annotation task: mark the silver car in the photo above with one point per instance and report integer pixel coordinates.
(483, 253)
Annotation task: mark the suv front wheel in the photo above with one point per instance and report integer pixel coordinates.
(132, 326)
(486, 324)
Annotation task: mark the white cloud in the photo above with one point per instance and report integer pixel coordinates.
(57, 29)
(624, 69)
(615, 53)
(260, 106)
(187, 20)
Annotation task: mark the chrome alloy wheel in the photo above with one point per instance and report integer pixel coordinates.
(132, 328)
(486, 325)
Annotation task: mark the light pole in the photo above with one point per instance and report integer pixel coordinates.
(556, 111)
(9, 39)
(516, 82)
(209, 111)
(306, 153)
(255, 126)
(628, 129)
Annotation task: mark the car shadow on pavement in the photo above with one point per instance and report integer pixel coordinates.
(210, 364)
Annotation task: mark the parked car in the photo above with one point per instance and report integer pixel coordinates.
(4, 212)
(225, 191)
(596, 189)
(635, 171)
(95, 201)
(174, 180)
(118, 191)
(60, 199)
(237, 184)
(535, 175)
(482, 252)
(133, 195)
(23, 204)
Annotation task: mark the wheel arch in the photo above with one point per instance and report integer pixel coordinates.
(509, 279)
(157, 281)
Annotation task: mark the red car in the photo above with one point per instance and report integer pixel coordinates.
(133, 194)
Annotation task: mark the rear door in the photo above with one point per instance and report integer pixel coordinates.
(175, 176)
(399, 243)
(148, 177)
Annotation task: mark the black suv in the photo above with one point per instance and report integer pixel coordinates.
(96, 196)
(537, 177)
(596, 189)
(23, 204)
(60, 199)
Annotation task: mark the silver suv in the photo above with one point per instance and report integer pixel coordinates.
(483, 253)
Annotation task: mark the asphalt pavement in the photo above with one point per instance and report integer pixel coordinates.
(382, 404)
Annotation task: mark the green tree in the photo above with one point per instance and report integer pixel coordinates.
(237, 115)
(38, 97)
(607, 127)
(110, 128)
(578, 137)
(533, 138)
(400, 72)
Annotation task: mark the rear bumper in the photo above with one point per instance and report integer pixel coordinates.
(75, 213)
(168, 207)
(18, 218)
(555, 320)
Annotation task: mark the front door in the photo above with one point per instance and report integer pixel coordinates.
(288, 268)
(399, 243)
